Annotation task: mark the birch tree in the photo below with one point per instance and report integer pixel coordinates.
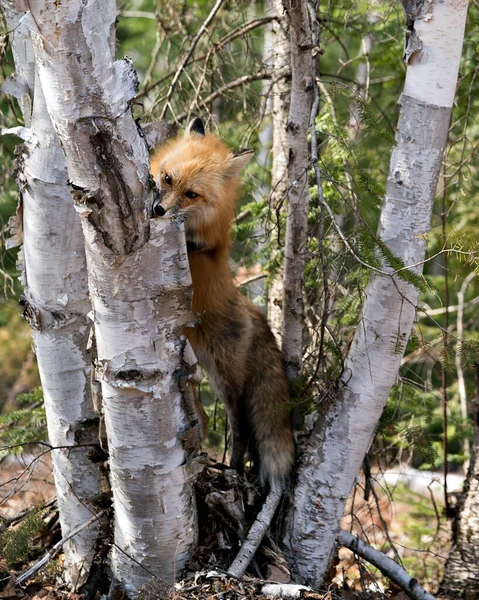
(302, 73)
(281, 91)
(56, 304)
(342, 435)
(139, 284)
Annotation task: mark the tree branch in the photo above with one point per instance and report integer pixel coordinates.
(183, 64)
(244, 29)
(256, 533)
(266, 74)
(385, 564)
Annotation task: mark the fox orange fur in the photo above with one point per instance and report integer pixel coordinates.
(198, 177)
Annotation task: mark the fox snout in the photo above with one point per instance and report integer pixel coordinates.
(163, 204)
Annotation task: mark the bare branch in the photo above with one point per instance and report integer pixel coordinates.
(236, 33)
(256, 533)
(183, 64)
(266, 74)
(385, 564)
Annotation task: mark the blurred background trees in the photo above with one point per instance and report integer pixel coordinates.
(230, 80)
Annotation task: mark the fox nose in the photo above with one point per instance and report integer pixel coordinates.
(157, 209)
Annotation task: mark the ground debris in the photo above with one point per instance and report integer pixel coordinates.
(212, 585)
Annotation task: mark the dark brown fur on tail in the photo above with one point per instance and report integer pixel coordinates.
(198, 176)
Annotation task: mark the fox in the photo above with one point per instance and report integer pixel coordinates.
(198, 177)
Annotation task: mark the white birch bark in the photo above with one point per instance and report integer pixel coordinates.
(342, 435)
(281, 92)
(56, 304)
(302, 72)
(139, 283)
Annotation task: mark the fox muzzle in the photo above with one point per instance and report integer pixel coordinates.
(157, 209)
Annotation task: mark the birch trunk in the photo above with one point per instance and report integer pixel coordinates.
(139, 284)
(461, 575)
(343, 435)
(302, 73)
(56, 304)
(281, 92)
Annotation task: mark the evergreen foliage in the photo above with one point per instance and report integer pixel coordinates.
(18, 543)
(24, 426)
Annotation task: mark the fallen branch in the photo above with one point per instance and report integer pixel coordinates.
(256, 533)
(385, 564)
(56, 548)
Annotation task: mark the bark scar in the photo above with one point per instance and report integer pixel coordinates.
(413, 9)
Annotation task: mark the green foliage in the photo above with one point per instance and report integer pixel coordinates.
(469, 352)
(17, 544)
(23, 426)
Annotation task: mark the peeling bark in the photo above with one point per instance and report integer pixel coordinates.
(302, 72)
(56, 304)
(343, 434)
(140, 287)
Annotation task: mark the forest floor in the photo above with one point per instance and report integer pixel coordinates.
(408, 527)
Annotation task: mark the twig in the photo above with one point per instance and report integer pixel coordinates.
(56, 548)
(137, 14)
(323, 202)
(256, 533)
(385, 564)
(266, 74)
(454, 308)
(216, 48)
(251, 279)
(183, 64)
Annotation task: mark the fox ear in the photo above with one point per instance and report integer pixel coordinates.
(237, 162)
(195, 126)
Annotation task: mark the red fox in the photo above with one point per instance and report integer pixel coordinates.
(198, 177)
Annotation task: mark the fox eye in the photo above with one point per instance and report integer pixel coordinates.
(191, 195)
(168, 179)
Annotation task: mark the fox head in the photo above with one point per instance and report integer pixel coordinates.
(198, 178)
